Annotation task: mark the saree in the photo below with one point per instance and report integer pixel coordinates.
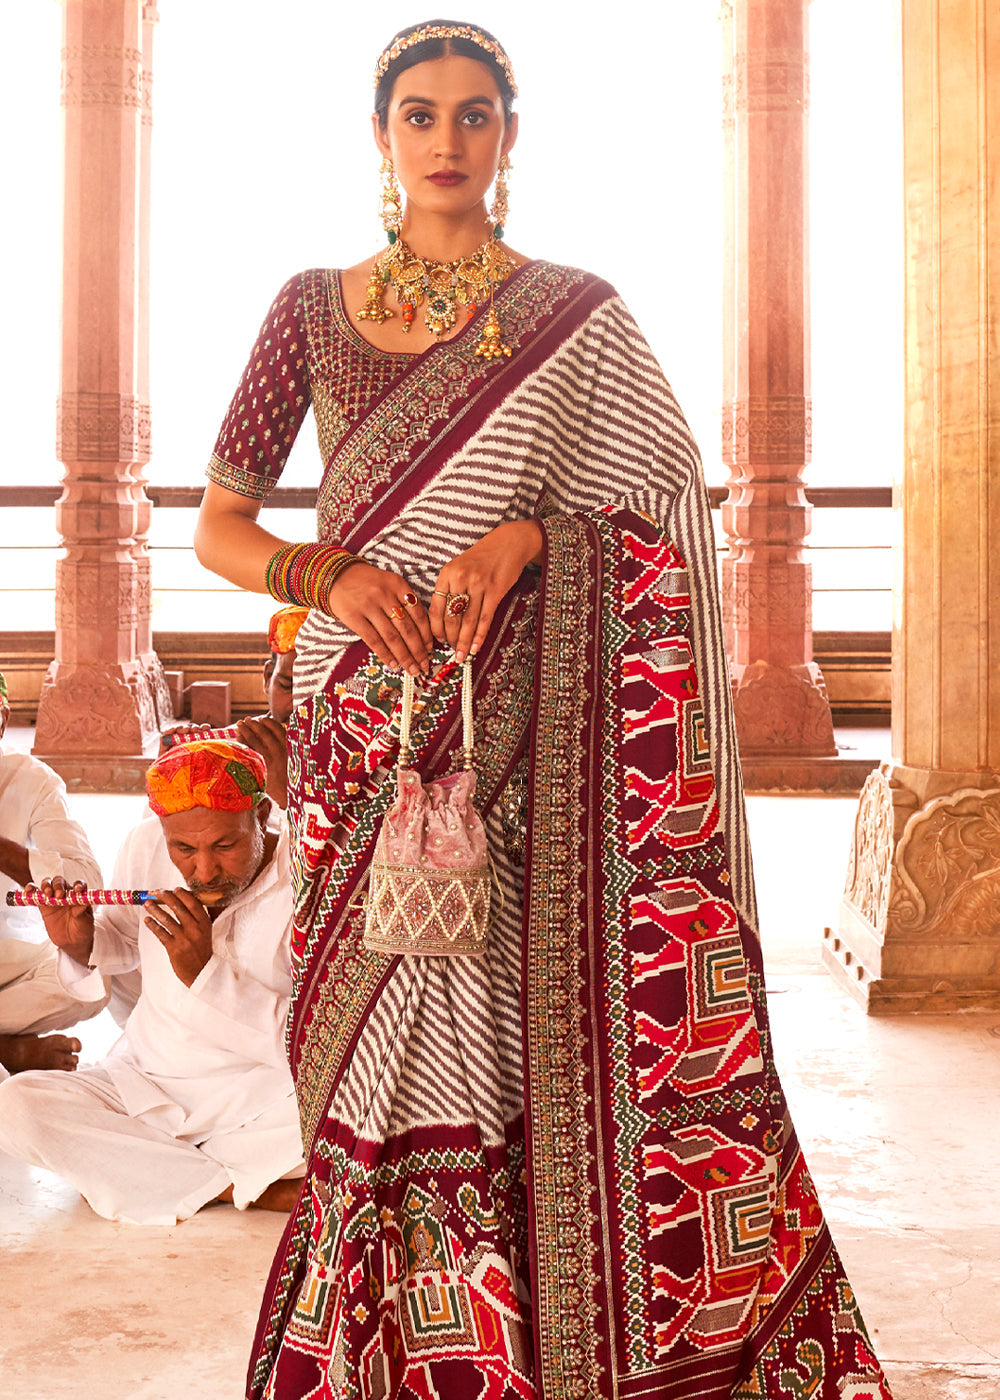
(564, 1169)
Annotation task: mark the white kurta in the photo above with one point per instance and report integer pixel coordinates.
(199, 1077)
(34, 813)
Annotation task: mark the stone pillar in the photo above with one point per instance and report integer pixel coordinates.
(148, 659)
(919, 926)
(782, 710)
(97, 714)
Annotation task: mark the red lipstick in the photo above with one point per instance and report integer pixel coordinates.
(447, 177)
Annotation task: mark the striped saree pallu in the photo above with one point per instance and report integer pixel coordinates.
(617, 1206)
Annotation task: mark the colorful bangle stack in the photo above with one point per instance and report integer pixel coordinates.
(305, 573)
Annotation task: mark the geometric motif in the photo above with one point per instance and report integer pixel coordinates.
(720, 977)
(741, 1220)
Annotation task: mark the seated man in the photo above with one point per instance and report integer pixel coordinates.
(195, 1102)
(265, 734)
(37, 837)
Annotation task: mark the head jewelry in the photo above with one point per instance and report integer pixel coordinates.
(445, 31)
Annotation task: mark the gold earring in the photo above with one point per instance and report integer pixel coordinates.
(390, 207)
(499, 208)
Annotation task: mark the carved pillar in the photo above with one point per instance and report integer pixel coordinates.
(148, 659)
(919, 925)
(96, 713)
(782, 710)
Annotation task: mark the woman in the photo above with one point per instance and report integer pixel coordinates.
(563, 1168)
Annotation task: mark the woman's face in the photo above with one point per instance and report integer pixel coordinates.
(445, 132)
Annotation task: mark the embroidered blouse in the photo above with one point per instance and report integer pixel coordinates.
(307, 351)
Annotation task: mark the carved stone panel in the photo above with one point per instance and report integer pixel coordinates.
(948, 868)
(101, 75)
(95, 710)
(96, 427)
(783, 711)
(869, 866)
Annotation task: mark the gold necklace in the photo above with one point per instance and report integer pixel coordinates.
(444, 286)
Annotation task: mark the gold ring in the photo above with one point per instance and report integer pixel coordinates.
(439, 594)
(458, 604)
(396, 612)
(409, 600)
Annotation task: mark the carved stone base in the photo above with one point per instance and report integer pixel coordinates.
(782, 711)
(104, 710)
(124, 773)
(839, 776)
(919, 926)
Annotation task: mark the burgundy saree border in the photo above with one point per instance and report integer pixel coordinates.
(677, 1245)
(571, 1347)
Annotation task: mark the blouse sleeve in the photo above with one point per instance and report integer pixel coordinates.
(270, 403)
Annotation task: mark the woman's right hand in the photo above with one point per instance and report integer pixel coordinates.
(385, 612)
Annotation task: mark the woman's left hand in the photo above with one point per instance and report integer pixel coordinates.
(484, 574)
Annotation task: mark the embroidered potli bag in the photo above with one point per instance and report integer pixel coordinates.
(429, 890)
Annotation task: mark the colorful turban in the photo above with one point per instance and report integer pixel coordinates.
(211, 773)
(284, 629)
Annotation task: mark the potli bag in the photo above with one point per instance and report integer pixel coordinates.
(429, 889)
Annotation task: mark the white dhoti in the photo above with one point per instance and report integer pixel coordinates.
(75, 1124)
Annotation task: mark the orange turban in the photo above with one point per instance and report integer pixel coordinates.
(211, 773)
(284, 628)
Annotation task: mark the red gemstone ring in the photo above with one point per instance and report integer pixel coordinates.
(457, 604)
(409, 600)
(396, 612)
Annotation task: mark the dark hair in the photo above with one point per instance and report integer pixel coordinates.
(441, 48)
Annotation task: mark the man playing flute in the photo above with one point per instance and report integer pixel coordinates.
(195, 1102)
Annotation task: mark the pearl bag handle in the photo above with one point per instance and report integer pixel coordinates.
(406, 719)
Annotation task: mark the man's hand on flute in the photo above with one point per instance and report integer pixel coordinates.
(69, 927)
(182, 924)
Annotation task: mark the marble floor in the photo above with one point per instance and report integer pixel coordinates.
(898, 1117)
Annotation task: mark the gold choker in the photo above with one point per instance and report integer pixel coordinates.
(444, 287)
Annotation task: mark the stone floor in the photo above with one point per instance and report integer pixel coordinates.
(898, 1118)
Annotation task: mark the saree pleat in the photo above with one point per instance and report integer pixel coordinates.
(564, 1169)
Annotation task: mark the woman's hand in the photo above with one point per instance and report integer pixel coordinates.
(485, 574)
(385, 613)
